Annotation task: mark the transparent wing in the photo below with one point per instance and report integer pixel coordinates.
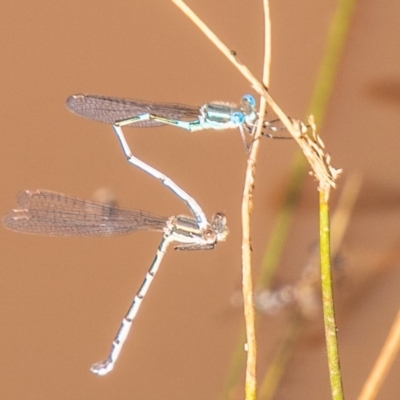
(111, 109)
(49, 213)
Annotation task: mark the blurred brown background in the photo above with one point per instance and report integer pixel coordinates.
(62, 299)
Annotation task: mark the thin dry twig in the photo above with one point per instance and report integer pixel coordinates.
(383, 363)
(247, 206)
(247, 283)
(247, 203)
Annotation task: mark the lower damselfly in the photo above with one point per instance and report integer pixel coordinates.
(49, 213)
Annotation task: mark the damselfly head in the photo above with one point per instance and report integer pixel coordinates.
(237, 118)
(247, 105)
(218, 224)
(248, 101)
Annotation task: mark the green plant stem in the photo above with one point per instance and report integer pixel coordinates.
(327, 299)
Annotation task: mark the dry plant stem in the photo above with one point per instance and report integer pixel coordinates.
(327, 300)
(247, 206)
(247, 284)
(383, 363)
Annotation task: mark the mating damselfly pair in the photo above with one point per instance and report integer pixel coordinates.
(49, 213)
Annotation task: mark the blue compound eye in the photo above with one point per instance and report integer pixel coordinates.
(248, 98)
(237, 118)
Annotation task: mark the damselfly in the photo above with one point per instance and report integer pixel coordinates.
(216, 115)
(48, 213)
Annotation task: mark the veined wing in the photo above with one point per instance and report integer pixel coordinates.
(49, 213)
(112, 109)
